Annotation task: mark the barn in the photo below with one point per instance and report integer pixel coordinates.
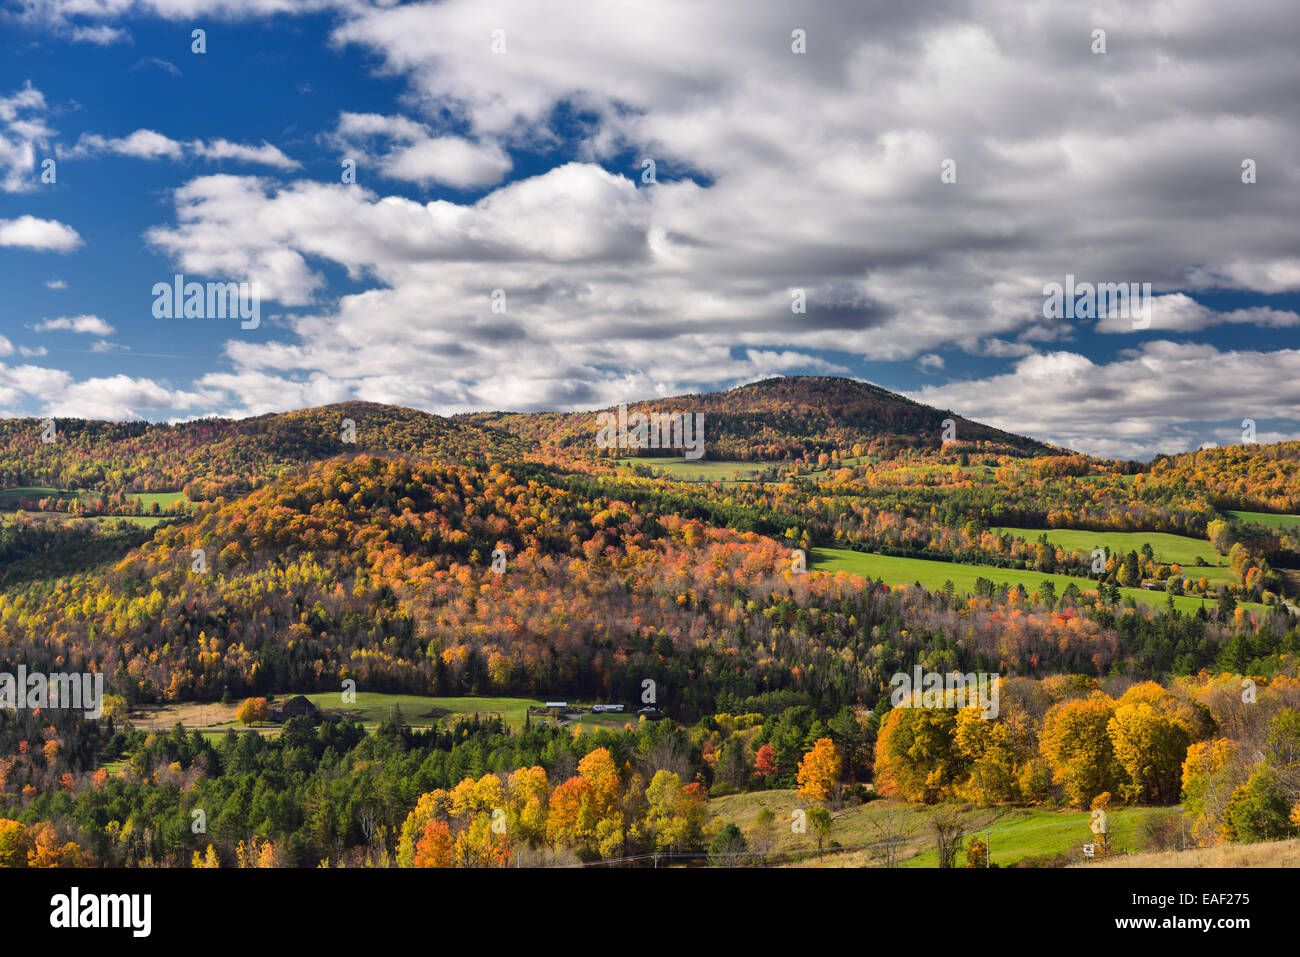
(295, 707)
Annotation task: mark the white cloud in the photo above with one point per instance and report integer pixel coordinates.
(415, 154)
(1178, 312)
(117, 398)
(817, 172)
(28, 232)
(92, 325)
(23, 132)
(150, 145)
(1153, 400)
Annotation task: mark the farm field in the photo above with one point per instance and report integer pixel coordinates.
(11, 499)
(1265, 518)
(374, 707)
(1167, 547)
(933, 574)
(1014, 834)
(701, 470)
(371, 707)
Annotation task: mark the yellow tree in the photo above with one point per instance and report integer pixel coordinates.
(1151, 730)
(819, 771)
(675, 813)
(14, 843)
(1076, 742)
(1211, 774)
(997, 750)
(529, 790)
(253, 711)
(916, 757)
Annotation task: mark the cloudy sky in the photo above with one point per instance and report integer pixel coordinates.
(566, 205)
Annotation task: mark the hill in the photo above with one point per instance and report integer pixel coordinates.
(213, 457)
(783, 419)
(1265, 478)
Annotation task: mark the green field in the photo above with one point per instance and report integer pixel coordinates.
(1013, 834)
(933, 574)
(1265, 518)
(419, 709)
(10, 497)
(1168, 548)
(700, 470)
(162, 498)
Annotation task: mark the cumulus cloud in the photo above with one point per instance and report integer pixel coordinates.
(1179, 312)
(55, 392)
(1154, 400)
(23, 131)
(91, 325)
(151, 145)
(28, 232)
(404, 149)
(782, 175)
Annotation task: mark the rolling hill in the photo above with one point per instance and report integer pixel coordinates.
(782, 419)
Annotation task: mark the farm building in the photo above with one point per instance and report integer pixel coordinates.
(296, 706)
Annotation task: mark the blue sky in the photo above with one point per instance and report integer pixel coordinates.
(513, 162)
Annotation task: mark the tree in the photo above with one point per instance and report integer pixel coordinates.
(821, 821)
(206, 861)
(726, 846)
(765, 760)
(47, 850)
(916, 757)
(1076, 741)
(675, 813)
(1150, 734)
(893, 827)
(435, 847)
(1259, 810)
(14, 843)
(253, 711)
(1211, 775)
(819, 771)
(761, 835)
(946, 825)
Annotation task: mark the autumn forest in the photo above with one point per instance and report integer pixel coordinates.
(491, 582)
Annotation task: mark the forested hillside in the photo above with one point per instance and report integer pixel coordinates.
(784, 419)
(1138, 623)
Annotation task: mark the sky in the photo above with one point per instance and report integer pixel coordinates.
(450, 206)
